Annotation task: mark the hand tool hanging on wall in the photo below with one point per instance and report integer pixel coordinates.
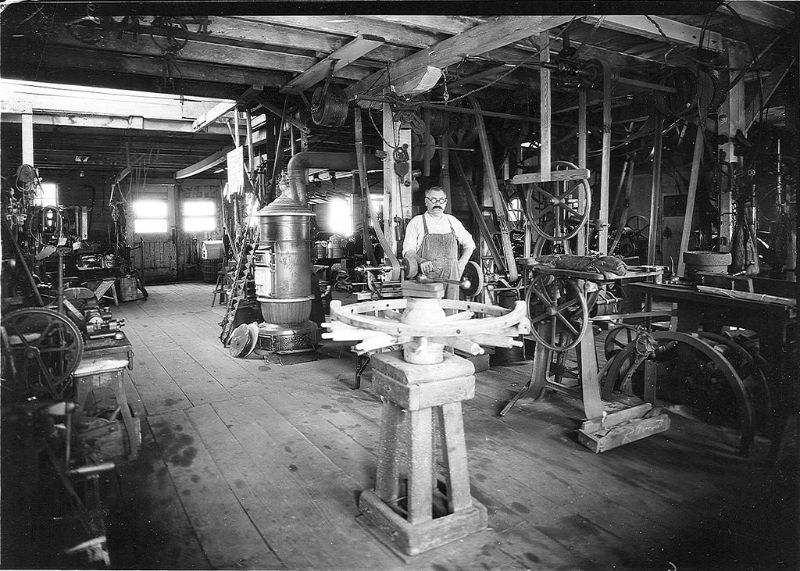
(497, 199)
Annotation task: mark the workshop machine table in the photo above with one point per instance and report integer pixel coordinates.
(700, 310)
(608, 424)
(102, 366)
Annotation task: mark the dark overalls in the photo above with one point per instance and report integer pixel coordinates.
(442, 251)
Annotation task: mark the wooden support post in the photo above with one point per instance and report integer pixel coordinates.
(605, 171)
(545, 106)
(426, 160)
(391, 183)
(27, 139)
(582, 236)
(732, 119)
(697, 159)
(444, 172)
(655, 192)
(363, 187)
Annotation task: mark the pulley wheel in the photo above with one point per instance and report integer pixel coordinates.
(558, 312)
(328, 107)
(566, 202)
(41, 349)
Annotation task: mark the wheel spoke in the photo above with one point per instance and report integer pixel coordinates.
(567, 324)
(539, 318)
(543, 191)
(553, 336)
(49, 329)
(543, 297)
(571, 210)
(544, 211)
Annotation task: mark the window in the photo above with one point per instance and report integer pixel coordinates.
(199, 216)
(48, 196)
(341, 217)
(151, 216)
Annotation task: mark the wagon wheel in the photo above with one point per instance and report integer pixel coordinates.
(563, 200)
(44, 348)
(693, 364)
(561, 305)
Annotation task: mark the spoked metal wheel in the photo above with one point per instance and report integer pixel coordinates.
(558, 312)
(42, 348)
(691, 371)
(567, 202)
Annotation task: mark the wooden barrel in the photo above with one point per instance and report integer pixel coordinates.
(210, 269)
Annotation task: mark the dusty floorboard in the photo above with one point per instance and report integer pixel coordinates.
(248, 464)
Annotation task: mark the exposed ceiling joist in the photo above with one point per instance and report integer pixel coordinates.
(661, 29)
(475, 41)
(244, 28)
(200, 49)
(334, 63)
(355, 26)
(440, 24)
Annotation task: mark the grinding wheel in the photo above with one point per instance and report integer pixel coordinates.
(474, 275)
(241, 341)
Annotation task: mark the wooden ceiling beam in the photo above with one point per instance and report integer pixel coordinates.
(91, 59)
(201, 51)
(660, 29)
(355, 26)
(475, 41)
(439, 24)
(334, 63)
(245, 28)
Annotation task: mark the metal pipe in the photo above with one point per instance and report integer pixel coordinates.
(296, 169)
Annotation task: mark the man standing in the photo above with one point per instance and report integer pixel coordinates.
(433, 239)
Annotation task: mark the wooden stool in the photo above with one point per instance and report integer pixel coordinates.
(104, 289)
(219, 288)
(411, 510)
(99, 372)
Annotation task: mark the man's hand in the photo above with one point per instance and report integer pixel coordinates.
(425, 267)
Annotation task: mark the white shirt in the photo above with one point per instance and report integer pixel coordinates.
(416, 230)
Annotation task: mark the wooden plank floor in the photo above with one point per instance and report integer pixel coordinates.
(247, 464)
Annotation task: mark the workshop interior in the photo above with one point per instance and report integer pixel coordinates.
(219, 349)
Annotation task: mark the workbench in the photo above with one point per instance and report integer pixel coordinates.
(697, 310)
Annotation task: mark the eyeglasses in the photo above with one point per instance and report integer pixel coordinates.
(437, 200)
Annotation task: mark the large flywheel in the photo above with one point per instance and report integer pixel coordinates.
(693, 370)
